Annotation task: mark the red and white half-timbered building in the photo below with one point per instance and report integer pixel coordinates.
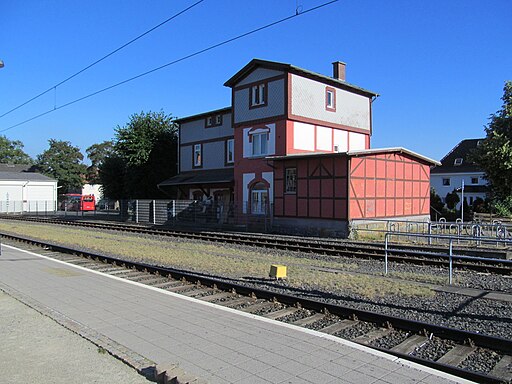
(296, 144)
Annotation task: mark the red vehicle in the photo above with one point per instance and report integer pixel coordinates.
(78, 202)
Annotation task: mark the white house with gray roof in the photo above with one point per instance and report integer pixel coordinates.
(22, 190)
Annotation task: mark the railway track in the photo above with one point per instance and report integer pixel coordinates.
(406, 254)
(446, 349)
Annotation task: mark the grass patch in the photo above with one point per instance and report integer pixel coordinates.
(223, 260)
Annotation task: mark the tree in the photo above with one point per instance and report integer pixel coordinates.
(452, 199)
(494, 154)
(147, 149)
(63, 162)
(11, 152)
(112, 176)
(436, 204)
(97, 153)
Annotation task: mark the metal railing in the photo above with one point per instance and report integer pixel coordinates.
(464, 231)
(449, 253)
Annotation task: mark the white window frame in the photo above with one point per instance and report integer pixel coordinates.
(458, 161)
(198, 160)
(330, 98)
(230, 155)
(259, 144)
(258, 95)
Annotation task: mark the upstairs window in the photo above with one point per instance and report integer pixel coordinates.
(213, 121)
(258, 95)
(230, 151)
(259, 144)
(474, 180)
(458, 161)
(330, 99)
(198, 155)
(446, 181)
(291, 180)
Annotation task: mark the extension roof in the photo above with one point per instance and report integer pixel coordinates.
(361, 152)
(460, 151)
(254, 63)
(210, 176)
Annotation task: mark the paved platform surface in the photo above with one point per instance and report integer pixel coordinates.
(35, 349)
(143, 325)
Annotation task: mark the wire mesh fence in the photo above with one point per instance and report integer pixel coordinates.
(197, 214)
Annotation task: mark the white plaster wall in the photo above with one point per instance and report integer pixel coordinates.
(324, 139)
(21, 193)
(357, 141)
(308, 100)
(341, 140)
(303, 136)
(436, 182)
(92, 189)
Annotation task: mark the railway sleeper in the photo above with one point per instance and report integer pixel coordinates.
(240, 301)
(367, 338)
(503, 369)
(258, 306)
(217, 296)
(281, 313)
(309, 320)
(410, 344)
(198, 292)
(338, 326)
(456, 355)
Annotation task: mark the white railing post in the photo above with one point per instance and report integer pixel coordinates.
(154, 211)
(386, 254)
(137, 211)
(450, 256)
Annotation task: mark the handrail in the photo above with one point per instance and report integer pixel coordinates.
(448, 255)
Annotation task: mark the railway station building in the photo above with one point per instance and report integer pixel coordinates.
(296, 145)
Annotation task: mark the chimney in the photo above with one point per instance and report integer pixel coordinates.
(338, 70)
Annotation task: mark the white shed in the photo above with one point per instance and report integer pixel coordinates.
(24, 191)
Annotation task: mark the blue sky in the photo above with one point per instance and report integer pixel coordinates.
(439, 65)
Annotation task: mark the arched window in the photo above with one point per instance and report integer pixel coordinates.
(259, 199)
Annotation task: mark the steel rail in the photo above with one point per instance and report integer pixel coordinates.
(412, 255)
(465, 337)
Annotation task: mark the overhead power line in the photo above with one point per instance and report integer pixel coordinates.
(103, 58)
(297, 14)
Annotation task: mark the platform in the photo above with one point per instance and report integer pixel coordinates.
(145, 325)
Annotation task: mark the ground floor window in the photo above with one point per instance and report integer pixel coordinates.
(291, 180)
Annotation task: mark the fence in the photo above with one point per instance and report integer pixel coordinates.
(449, 240)
(179, 213)
(463, 232)
(28, 206)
